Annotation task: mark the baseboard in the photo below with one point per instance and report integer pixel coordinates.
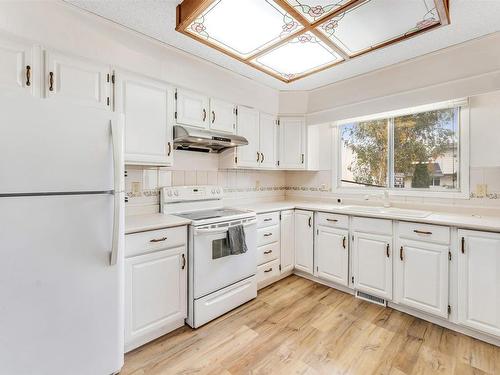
(307, 276)
(153, 335)
(272, 280)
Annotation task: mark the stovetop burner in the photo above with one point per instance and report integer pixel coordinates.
(210, 214)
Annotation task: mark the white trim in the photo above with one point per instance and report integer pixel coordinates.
(463, 102)
(464, 157)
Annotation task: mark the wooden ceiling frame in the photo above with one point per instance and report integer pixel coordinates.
(189, 10)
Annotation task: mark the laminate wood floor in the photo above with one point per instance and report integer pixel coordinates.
(297, 326)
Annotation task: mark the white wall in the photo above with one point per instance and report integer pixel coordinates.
(61, 26)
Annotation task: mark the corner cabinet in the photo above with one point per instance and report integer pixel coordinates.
(287, 231)
(147, 106)
(479, 281)
(292, 143)
(304, 238)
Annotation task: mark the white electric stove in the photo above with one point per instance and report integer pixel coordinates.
(218, 281)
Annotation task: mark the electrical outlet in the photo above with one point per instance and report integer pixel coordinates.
(257, 184)
(481, 190)
(136, 187)
(322, 187)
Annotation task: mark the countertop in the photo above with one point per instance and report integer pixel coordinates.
(466, 221)
(142, 223)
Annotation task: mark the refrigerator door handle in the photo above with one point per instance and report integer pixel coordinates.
(117, 141)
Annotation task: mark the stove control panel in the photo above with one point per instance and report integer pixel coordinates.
(191, 193)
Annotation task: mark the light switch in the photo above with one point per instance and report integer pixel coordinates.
(481, 190)
(136, 187)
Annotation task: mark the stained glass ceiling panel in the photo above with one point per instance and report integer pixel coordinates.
(298, 57)
(375, 22)
(243, 27)
(313, 10)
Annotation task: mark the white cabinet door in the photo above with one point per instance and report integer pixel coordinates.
(155, 294)
(222, 116)
(17, 72)
(479, 281)
(268, 141)
(192, 109)
(372, 264)
(421, 276)
(287, 241)
(292, 143)
(77, 80)
(332, 254)
(147, 106)
(248, 127)
(304, 238)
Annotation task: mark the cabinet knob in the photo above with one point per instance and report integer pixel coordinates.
(387, 248)
(158, 239)
(268, 252)
(213, 117)
(401, 253)
(344, 242)
(51, 81)
(183, 261)
(204, 114)
(268, 270)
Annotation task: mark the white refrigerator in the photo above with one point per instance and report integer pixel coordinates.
(61, 238)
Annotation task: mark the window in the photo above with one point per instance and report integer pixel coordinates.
(413, 150)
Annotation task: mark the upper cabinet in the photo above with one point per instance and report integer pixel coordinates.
(268, 141)
(147, 106)
(222, 116)
(248, 127)
(292, 143)
(17, 72)
(200, 111)
(76, 79)
(260, 130)
(191, 109)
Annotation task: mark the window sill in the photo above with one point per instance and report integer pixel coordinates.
(464, 194)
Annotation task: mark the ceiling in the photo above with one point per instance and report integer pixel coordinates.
(470, 19)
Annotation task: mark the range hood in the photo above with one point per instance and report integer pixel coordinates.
(193, 139)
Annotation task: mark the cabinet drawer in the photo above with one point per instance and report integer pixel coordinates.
(268, 235)
(375, 226)
(332, 220)
(144, 242)
(424, 232)
(267, 253)
(268, 271)
(268, 219)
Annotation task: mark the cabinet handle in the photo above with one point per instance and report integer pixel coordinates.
(401, 253)
(28, 75)
(310, 221)
(262, 157)
(204, 114)
(343, 242)
(387, 248)
(258, 156)
(268, 219)
(422, 232)
(183, 261)
(268, 252)
(268, 270)
(213, 117)
(169, 148)
(332, 220)
(267, 234)
(302, 158)
(158, 239)
(51, 81)
(463, 245)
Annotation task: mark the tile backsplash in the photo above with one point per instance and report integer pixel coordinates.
(142, 184)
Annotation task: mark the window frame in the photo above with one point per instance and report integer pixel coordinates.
(463, 192)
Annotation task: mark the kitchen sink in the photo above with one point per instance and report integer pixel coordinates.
(388, 210)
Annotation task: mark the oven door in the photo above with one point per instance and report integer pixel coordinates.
(213, 265)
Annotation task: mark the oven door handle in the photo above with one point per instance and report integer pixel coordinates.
(220, 230)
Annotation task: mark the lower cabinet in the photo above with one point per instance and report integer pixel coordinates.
(332, 254)
(287, 241)
(479, 281)
(372, 264)
(421, 276)
(155, 293)
(304, 239)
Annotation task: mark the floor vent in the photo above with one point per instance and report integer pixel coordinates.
(370, 298)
